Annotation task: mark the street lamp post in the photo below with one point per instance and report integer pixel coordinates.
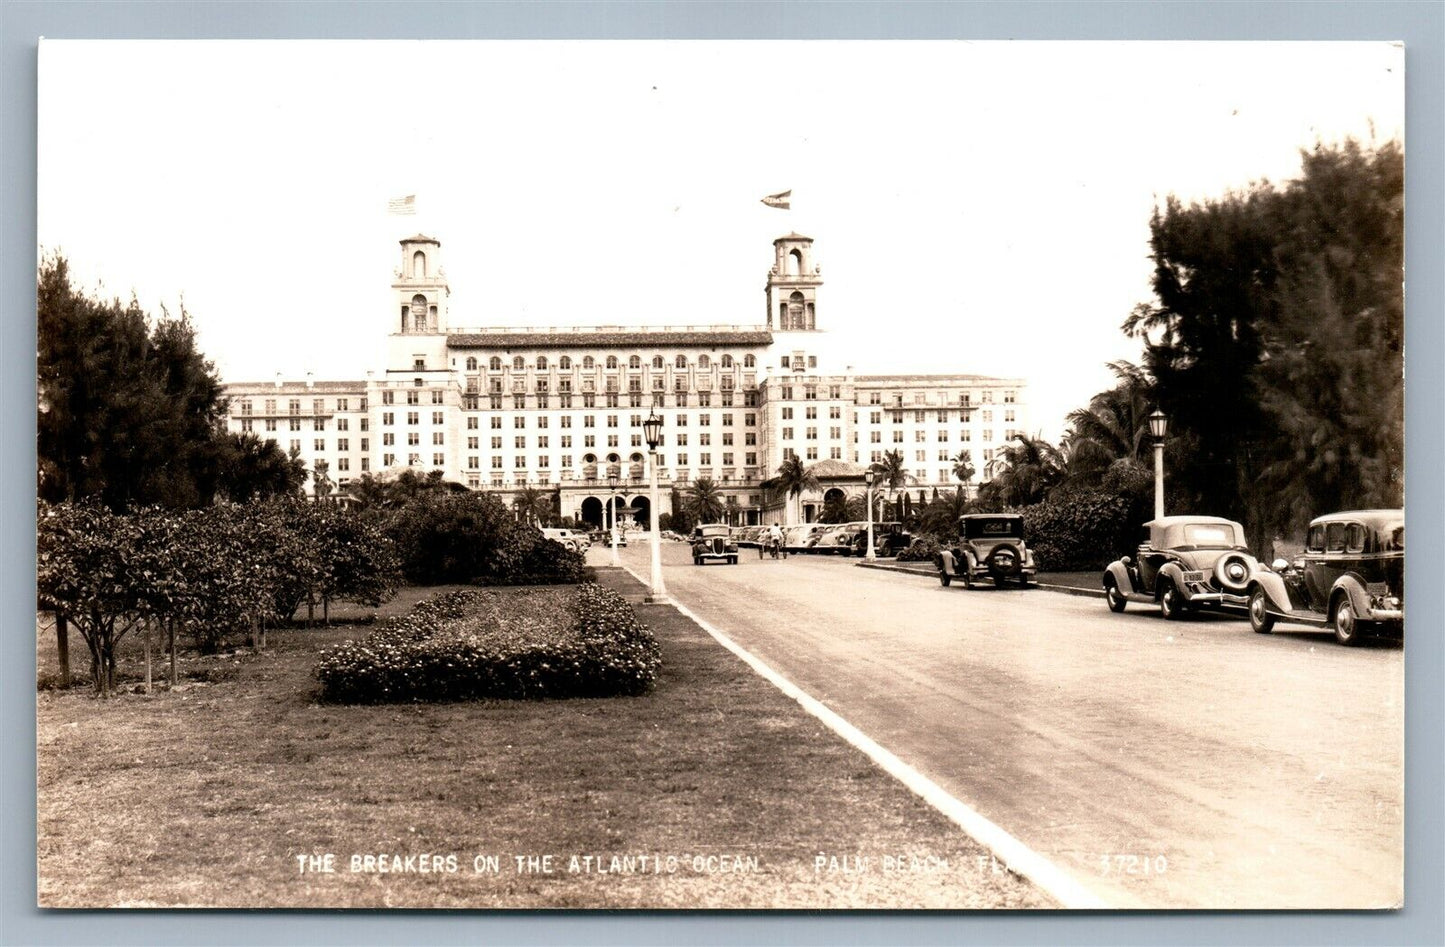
(1158, 427)
(652, 431)
(868, 479)
(612, 502)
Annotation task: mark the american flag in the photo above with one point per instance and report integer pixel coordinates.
(779, 200)
(402, 205)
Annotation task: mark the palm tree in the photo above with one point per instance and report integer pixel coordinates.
(703, 501)
(1028, 470)
(1113, 429)
(792, 479)
(941, 516)
(534, 506)
(962, 468)
(890, 472)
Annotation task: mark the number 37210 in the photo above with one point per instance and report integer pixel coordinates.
(1133, 864)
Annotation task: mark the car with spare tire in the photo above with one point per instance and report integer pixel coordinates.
(1188, 562)
(990, 546)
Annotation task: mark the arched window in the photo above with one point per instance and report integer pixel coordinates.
(541, 363)
(657, 362)
(472, 364)
(565, 363)
(727, 361)
(795, 262)
(518, 364)
(634, 362)
(795, 312)
(418, 265)
(749, 361)
(680, 361)
(588, 363)
(612, 361)
(589, 458)
(418, 312)
(704, 362)
(495, 364)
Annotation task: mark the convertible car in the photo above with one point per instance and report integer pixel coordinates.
(1188, 562)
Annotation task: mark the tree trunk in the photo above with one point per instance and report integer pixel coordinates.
(310, 610)
(171, 643)
(62, 647)
(326, 610)
(147, 639)
(255, 634)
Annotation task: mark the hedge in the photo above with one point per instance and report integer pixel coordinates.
(583, 641)
(1082, 530)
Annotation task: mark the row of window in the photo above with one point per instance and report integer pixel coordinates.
(544, 462)
(588, 363)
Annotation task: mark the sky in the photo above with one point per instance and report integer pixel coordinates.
(976, 207)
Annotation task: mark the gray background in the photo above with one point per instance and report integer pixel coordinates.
(1420, 25)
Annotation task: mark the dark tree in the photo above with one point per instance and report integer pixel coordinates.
(127, 412)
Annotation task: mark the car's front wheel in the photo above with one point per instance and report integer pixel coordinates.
(1171, 606)
(1348, 627)
(1116, 599)
(1259, 617)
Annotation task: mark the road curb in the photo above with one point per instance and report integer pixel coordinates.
(1014, 854)
(1062, 589)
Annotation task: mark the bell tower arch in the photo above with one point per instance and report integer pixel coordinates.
(792, 288)
(420, 288)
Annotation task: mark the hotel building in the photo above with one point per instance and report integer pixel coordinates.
(561, 409)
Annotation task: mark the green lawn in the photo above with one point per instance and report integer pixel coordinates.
(207, 795)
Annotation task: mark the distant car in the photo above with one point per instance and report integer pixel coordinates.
(838, 539)
(575, 541)
(1351, 578)
(796, 538)
(1189, 562)
(711, 543)
(990, 546)
(889, 539)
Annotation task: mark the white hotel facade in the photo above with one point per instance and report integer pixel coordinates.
(558, 409)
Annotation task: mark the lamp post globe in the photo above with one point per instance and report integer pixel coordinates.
(1158, 428)
(652, 432)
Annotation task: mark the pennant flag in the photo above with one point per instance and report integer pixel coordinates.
(402, 205)
(779, 200)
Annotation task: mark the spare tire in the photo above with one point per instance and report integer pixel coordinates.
(1005, 559)
(1232, 572)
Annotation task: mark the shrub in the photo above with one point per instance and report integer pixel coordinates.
(481, 643)
(922, 549)
(472, 537)
(1082, 530)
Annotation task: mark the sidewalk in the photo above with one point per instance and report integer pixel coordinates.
(1069, 583)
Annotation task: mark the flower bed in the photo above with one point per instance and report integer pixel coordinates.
(483, 643)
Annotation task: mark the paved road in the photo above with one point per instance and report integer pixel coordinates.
(1257, 771)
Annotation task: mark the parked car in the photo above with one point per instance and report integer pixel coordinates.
(830, 540)
(990, 546)
(573, 540)
(711, 543)
(1188, 562)
(836, 539)
(889, 539)
(795, 538)
(1351, 578)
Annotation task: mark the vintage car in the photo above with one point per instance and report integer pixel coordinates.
(836, 539)
(1351, 578)
(1188, 562)
(990, 546)
(798, 538)
(711, 543)
(889, 539)
(571, 539)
